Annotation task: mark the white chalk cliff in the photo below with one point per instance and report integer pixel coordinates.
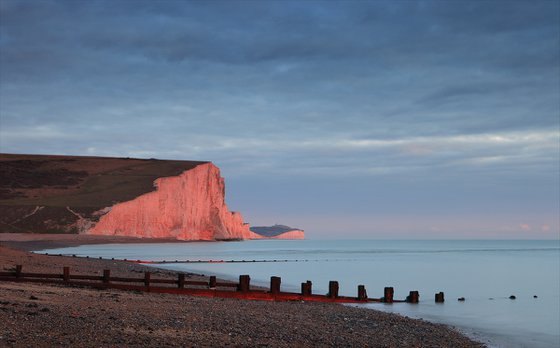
(190, 206)
(293, 234)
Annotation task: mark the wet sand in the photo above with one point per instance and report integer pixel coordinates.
(46, 315)
(37, 241)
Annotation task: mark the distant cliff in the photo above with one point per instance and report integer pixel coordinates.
(116, 196)
(278, 232)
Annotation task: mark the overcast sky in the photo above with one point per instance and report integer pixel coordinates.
(349, 119)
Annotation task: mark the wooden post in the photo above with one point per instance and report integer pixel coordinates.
(212, 282)
(181, 280)
(275, 285)
(362, 294)
(18, 271)
(66, 274)
(413, 297)
(333, 289)
(306, 288)
(439, 297)
(388, 294)
(106, 275)
(147, 276)
(244, 283)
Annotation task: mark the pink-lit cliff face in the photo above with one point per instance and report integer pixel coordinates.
(189, 206)
(293, 234)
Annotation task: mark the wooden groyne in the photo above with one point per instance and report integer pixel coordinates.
(211, 288)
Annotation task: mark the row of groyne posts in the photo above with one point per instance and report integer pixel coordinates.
(210, 288)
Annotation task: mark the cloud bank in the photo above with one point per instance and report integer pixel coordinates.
(456, 93)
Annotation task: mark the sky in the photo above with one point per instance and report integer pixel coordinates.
(349, 119)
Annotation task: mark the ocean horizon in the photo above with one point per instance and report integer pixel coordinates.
(485, 272)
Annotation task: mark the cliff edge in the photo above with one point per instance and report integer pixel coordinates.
(116, 196)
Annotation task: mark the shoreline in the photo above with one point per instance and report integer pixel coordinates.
(37, 241)
(195, 320)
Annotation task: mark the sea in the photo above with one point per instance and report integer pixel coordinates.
(485, 272)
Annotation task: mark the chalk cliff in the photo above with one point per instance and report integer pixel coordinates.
(293, 234)
(189, 206)
(147, 198)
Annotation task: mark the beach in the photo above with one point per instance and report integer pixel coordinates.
(49, 315)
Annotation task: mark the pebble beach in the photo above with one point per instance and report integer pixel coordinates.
(47, 315)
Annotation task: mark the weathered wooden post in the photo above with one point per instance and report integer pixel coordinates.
(106, 276)
(333, 289)
(181, 281)
(440, 297)
(362, 294)
(244, 283)
(412, 297)
(306, 288)
(388, 294)
(66, 274)
(275, 285)
(212, 282)
(18, 271)
(147, 276)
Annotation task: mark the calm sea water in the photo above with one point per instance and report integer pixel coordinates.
(485, 272)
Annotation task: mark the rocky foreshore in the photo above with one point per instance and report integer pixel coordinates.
(41, 315)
